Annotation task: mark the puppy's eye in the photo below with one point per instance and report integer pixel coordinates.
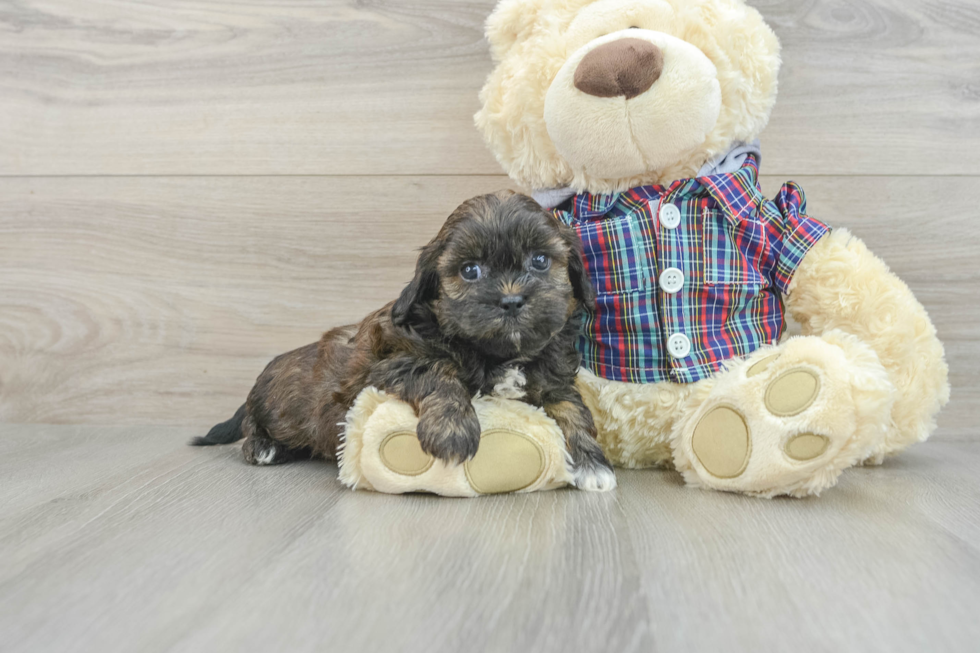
(540, 262)
(634, 27)
(471, 272)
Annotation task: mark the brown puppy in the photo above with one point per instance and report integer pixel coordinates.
(495, 307)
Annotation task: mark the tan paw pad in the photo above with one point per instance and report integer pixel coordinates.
(402, 454)
(806, 446)
(721, 442)
(761, 366)
(506, 461)
(792, 392)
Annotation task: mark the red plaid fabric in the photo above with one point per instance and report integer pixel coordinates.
(681, 290)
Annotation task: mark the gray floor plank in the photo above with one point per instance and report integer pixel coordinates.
(860, 569)
(131, 566)
(121, 539)
(421, 573)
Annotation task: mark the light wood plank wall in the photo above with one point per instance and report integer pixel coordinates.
(189, 189)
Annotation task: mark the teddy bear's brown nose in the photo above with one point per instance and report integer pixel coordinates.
(625, 66)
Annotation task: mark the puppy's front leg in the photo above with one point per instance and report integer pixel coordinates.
(590, 469)
(448, 427)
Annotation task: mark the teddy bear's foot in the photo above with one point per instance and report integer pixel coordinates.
(507, 461)
(721, 440)
(521, 450)
(789, 420)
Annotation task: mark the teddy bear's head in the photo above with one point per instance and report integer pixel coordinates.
(603, 95)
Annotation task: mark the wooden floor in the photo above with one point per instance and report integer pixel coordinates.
(123, 539)
(188, 189)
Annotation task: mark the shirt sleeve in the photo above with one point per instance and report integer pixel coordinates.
(791, 233)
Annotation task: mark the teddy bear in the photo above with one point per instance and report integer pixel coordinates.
(637, 122)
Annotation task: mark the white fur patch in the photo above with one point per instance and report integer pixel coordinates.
(512, 385)
(600, 479)
(266, 457)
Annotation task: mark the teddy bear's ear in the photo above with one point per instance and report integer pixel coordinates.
(510, 22)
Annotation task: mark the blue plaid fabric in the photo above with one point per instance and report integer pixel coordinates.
(736, 252)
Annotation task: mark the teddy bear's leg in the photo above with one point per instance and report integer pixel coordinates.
(634, 420)
(786, 420)
(521, 450)
(842, 285)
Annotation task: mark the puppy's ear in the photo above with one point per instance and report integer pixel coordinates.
(581, 286)
(423, 288)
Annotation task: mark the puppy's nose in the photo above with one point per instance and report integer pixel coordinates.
(512, 303)
(626, 66)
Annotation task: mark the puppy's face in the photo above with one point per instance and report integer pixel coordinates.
(502, 275)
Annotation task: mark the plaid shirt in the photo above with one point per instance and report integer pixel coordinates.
(687, 276)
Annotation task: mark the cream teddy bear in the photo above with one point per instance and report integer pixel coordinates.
(636, 122)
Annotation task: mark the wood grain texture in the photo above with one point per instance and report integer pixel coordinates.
(123, 539)
(389, 87)
(146, 278)
(159, 300)
(185, 287)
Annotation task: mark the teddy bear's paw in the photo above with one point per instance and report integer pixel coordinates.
(724, 438)
(792, 392)
(401, 453)
(722, 442)
(787, 423)
(507, 461)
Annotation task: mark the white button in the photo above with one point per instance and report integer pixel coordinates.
(670, 216)
(678, 345)
(671, 280)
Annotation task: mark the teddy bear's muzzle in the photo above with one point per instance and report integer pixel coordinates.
(625, 67)
(630, 102)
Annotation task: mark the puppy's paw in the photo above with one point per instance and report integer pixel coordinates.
(590, 469)
(263, 452)
(449, 432)
(594, 478)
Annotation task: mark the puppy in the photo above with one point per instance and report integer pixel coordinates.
(495, 307)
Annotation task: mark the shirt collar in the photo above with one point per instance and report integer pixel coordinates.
(737, 193)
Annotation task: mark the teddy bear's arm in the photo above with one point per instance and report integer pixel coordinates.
(841, 284)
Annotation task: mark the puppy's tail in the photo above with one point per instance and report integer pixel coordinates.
(223, 433)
